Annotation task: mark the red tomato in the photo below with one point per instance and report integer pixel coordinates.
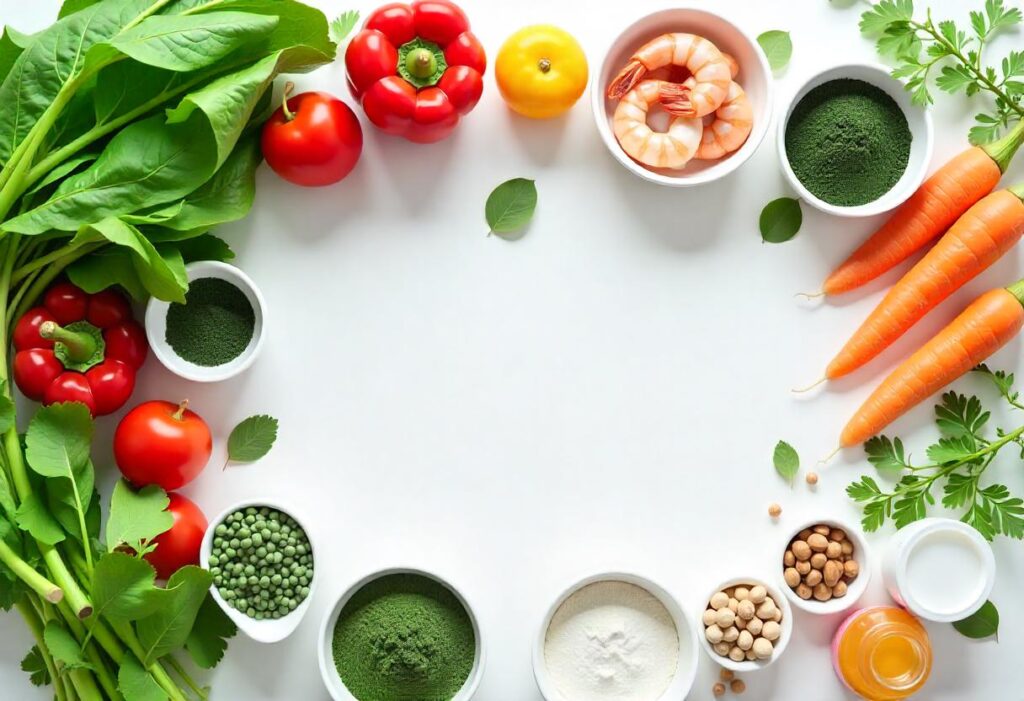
(178, 546)
(316, 142)
(162, 443)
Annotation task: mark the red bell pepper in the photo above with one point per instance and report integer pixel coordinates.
(416, 68)
(78, 347)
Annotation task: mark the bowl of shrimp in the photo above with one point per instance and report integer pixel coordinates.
(683, 97)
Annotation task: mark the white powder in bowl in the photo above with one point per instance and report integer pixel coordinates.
(611, 640)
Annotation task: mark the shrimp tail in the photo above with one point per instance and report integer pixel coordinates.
(626, 80)
(676, 100)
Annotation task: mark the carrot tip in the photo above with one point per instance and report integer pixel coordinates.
(810, 295)
(831, 455)
(808, 388)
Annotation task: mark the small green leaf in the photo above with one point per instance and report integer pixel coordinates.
(786, 459)
(33, 663)
(208, 638)
(32, 516)
(252, 438)
(885, 454)
(123, 588)
(884, 13)
(343, 24)
(949, 450)
(58, 439)
(511, 205)
(63, 647)
(780, 220)
(135, 683)
(136, 517)
(168, 628)
(777, 46)
(983, 623)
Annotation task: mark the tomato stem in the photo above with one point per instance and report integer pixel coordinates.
(179, 413)
(288, 114)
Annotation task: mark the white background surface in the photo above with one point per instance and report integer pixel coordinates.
(602, 394)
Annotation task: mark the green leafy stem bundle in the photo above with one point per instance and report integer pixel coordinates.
(955, 54)
(129, 129)
(957, 462)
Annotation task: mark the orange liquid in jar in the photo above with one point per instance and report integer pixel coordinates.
(882, 653)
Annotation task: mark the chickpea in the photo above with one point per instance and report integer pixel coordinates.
(847, 547)
(805, 534)
(838, 591)
(724, 618)
(746, 609)
(851, 569)
(734, 605)
(812, 478)
(766, 610)
(751, 655)
(822, 592)
(834, 550)
(791, 576)
(740, 623)
(789, 558)
(737, 686)
(821, 529)
(736, 654)
(714, 634)
(755, 626)
(763, 648)
(722, 648)
(813, 578)
(774, 510)
(726, 675)
(730, 634)
(818, 560)
(771, 630)
(817, 542)
(801, 550)
(778, 615)
(741, 593)
(832, 573)
(718, 690)
(803, 567)
(758, 594)
(745, 641)
(708, 617)
(719, 600)
(804, 591)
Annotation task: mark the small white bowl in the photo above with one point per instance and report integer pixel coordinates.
(780, 645)
(270, 630)
(856, 588)
(755, 76)
(686, 671)
(919, 121)
(325, 648)
(156, 326)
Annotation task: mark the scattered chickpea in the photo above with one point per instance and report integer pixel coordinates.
(737, 686)
(718, 690)
(726, 675)
(774, 510)
(812, 478)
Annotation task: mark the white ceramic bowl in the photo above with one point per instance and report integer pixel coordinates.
(325, 651)
(908, 538)
(856, 588)
(755, 76)
(264, 631)
(780, 645)
(156, 326)
(919, 120)
(686, 671)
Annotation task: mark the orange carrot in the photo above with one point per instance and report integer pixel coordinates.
(977, 240)
(984, 327)
(939, 202)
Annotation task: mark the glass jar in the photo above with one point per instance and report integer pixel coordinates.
(882, 653)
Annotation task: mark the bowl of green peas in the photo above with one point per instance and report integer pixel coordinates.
(262, 561)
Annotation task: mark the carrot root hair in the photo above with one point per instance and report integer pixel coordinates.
(808, 388)
(811, 295)
(626, 80)
(825, 460)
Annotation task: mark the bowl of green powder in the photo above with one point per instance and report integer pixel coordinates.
(852, 143)
(217, 332)
(401, 633)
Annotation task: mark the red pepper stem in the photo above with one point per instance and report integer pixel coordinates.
(80, 346)
(179, 413)
(421, 63)
(288, 114)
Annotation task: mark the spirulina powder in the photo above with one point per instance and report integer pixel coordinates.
(404, 637)
(848, 142)
(214, 325)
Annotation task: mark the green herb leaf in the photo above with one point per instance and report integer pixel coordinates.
(343, 24)
(884, 13)
(511, 205)
(136, 517)
(954, 78)
(777, 46)
(949, 450)
(786, 460)
(63, 647)
(959, 490)
(66, 500)
(33, 663)
(886, 454)
(983, 623)
(168, 628)
(32, 516)
(959, 415)
(123, 588)
(135, 683)
(252, 438)
(58, 440)
(1005, 513)
(207, 640)
(780, 220)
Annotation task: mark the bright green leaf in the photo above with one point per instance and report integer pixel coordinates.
(33, 663)
(786, 460)
(107, 267)
(168, 628)
(780, 220)
(253, 438)
(343, 24)
(136, 517)
(123, 588)
(510, 206)
(884, 13)
(208, 638)
(135, 683)
(983, 623)
(63, 647)
(777, 46)
(58, 440)
(32, 516)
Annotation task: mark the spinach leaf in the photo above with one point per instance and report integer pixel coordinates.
(161, 271)
(135, 683)
(168, 628)
(69, 7)
(10, 48)
(123, 588)
(109, 266)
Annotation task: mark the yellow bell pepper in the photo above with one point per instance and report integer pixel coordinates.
(541, 71)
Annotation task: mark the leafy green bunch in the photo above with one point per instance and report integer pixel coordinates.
(129, 129)
(952, 55)
(957, 462)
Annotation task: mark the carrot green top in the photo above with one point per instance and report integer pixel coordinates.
(1002, 150)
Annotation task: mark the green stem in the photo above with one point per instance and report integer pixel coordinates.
(35, 626)
(155, 670)
(1003, 150)
(28, 574)
(85, 685)
(42, 261)
(1018, 190)
(173, 663)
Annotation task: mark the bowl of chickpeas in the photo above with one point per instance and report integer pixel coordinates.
(824, 568)
(746, 624)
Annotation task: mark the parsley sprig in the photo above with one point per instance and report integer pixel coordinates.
(957, 462)
(952, 55)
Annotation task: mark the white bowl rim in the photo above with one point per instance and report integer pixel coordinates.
(854, 592)
(925, 528)
(881, 205)
(730, 163)
(157, 308)
(266, 631)
(325, 639)
(672, 605)
(780, 647)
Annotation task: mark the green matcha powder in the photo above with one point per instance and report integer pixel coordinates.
(404, 637)
(214, 325)
(848, 142)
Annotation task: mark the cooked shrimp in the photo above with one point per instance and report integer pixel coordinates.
(710, 70)
(672, 148)
(734, 65)
(731, 123)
